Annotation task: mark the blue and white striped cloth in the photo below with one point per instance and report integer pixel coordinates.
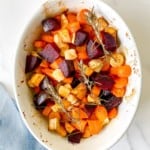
(13, 133)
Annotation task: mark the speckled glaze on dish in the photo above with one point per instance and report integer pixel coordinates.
(36, 124)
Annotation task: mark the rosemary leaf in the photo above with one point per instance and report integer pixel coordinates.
(49, 88)
(93, 21)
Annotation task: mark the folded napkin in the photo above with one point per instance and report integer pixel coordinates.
(13, 133)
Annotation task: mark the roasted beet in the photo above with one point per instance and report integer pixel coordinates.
(31, 63)
(44, 83)
(106, 82)
(112, 102)
(109, 41)
(75, 136)
(94, 50)
(80, 37)
(90, 108)
(50, 24)
(41, 99)
(67, 67)
(75, 82)
(50, 52)
(105, 94)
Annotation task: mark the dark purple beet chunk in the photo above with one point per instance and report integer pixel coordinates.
(106, 82)
(50, 52)
(67, 67)
(105, 94)
(75, 82)
(109, 41)
(94, 50)
(50, 24)
(75, 137)
(41, 99)
(31, 63)
(44, 83)
(81, 37)
(90, 108)
(112, 102)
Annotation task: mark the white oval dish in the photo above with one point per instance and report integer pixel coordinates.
(36, 124)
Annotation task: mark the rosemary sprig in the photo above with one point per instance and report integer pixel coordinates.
(93, 21)
(84, 77)
(49, 88)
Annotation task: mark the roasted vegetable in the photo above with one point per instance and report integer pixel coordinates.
(77, 75)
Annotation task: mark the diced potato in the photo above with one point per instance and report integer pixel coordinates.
(111, 31)
(92, 98)
(58, 40)
(35, 80)
(63, 46)
(103, 23)
(96, 65)
(117, 59)
(56, 108)
(64, 35)
(58, 75)
(72, 99)
(70, 54)
(64, 21)
(53, 124)
(63, 91)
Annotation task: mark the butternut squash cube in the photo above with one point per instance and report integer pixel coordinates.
(80, 91)
(35, 80)
(87, 70)
(63, 91)
(61, 130)
(103, 23)
(69, 127)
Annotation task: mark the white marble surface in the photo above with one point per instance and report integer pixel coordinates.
(13, 17)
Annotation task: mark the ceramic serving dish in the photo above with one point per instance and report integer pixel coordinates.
(33, 120)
